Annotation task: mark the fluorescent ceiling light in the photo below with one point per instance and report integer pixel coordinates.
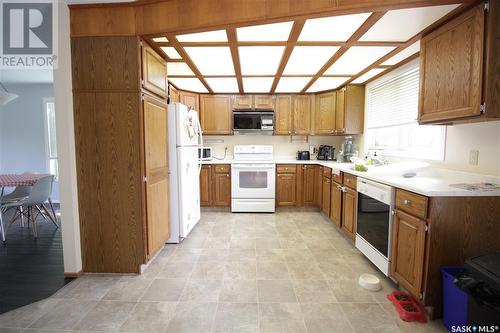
(257, 84)
(335, 28)
(260, 60)
(307, 60)
(209, 36)
(402, 24)
(368, 75)
(178, 68)
(160, 39)
(409, 51)
(223, 84)
(275, 32)
(357, 58)
(327, 83)
(215, 60)
(190, 84)
(292, 84)
(171, 52)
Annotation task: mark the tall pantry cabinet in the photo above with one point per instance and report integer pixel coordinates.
(120, 117)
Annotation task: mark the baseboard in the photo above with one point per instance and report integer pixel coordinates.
(73, 275)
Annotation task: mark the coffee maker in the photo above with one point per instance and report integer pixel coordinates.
(326, 153)
(347, 150)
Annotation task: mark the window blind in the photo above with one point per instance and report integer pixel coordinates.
(394, 102)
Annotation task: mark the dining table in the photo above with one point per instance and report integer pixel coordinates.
(14, 180)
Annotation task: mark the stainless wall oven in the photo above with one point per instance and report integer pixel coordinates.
(253, 122)
(374, 222)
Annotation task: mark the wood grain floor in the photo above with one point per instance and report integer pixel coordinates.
(30, 270)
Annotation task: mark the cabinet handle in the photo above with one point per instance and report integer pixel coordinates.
(407, 202)
(332, 131)
(279, 175)
(289, 132)
(227, 175)
(294, 132)
(304, 167)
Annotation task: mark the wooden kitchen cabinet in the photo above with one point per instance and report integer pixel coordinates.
(319, 186)
(460, 69)
(349, 210)
(286, 189)
(206, 186)
(173, 95)
(244, 102)
(215, 185)
(154, 71)
(189, 99)
(336, 204)
(325, 201)
(301, 115)
(307, 185)
(221, 189)
(325, 114)
(264, 102)
(408, 241)
(216, 114)
(283, 115)
(349, 110)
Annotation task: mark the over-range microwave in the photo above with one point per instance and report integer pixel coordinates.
(253, 122)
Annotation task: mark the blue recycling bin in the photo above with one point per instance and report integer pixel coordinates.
(454, 299)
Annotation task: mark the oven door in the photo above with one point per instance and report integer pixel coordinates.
(253, 180)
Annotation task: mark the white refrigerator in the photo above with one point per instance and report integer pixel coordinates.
(185, 138)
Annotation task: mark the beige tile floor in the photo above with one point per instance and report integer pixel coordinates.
(279, 273)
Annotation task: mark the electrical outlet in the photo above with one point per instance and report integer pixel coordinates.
(473, 157)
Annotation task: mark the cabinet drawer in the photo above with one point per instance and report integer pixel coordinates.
(411, 203)
(327, 172)
(286, 168)
(223, 168)
(337, 176)
(350, 180)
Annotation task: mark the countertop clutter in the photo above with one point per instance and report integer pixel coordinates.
(428, 181)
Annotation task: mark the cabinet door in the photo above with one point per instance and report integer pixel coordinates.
(206, 185)
(243, 102)
(222, 189)
(283, 115)
(156, 168)
(325, 114)
(325, 202)
(154, 72)
(216, 114)
(308, 184)
(351, 120)
(191, 100)
(349, 209)
(451, 60)
(286, 185)
(319, 186)
(263, 102)
(336, 204)
(302, 115)
(407, 257)
(173, 95)
(340, 111)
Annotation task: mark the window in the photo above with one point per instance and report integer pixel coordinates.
(50, 117)
(391, 118)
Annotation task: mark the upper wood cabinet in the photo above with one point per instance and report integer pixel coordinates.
(263, 102)
(460, 70)
(173, 95)
(349, 110)
(283, 115)
(242, 102)
(191, 100)
(301, 115)
(251, 102)
(325, 114)
(216, 114)
(154, 71)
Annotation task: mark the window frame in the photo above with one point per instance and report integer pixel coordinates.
(45, 102)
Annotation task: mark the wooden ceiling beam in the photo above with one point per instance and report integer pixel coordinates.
(370, 22)
(292, 39)
(233, 40)
(188, 61)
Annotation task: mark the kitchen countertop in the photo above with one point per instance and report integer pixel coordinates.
(429, 181)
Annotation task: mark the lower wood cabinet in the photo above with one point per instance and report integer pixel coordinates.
(215, 185)
(349, 210)
(307, 179)
(325, 201)
(336, 204)
(407, 262)
(319, 186)
(286, 185)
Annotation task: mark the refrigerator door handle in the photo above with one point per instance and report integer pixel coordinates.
(200, 142)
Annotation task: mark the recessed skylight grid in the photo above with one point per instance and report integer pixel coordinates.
(257, 84)
(160, 39)
(368, 75)
(275, 32)
(223, 84)
(171, 52)
(409, 51)
(327, 83)
(260, 60)
(189, 84)
(357, 58)
(178, 68)
(215, 60)
(307, 60)
(292, 84)
(209, 36)
(335, 28)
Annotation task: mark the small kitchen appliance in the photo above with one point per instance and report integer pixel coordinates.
(347, 150)
(303, 155)
(205, 153)
(253, 122)
(326, 152)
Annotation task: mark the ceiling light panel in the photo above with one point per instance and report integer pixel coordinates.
(160, 39)
(223, 84)
(190, 84)
(327, 83)
(178, 68)
(402, 24)
(292, 84)
(357, 58)
(171, 52)
(275, 32)
(212, 60)
(368, 75)
(257, 84)
(409, 51)
(335, 28)
(209, 36)
(307, 60)
(260, 60)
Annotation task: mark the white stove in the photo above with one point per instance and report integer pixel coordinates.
(253, 176)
